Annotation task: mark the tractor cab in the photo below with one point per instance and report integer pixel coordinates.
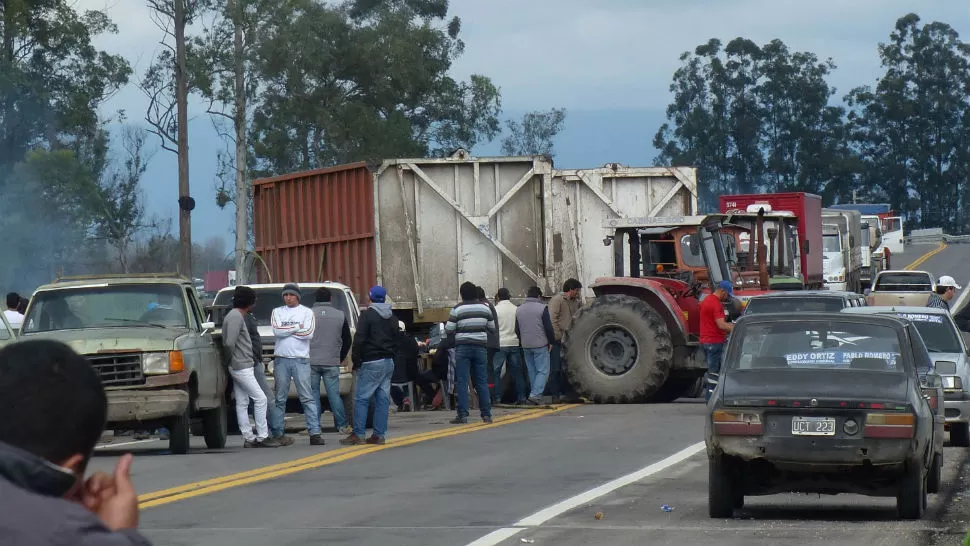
(778, 231)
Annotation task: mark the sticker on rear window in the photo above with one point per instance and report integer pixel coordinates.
(853, 359)
(921, 317)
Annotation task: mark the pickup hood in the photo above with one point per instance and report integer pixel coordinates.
(127, 339)
(831, 384)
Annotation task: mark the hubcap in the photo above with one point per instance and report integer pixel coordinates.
(613, 350)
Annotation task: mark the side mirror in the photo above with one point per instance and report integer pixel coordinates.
(867, 291)
(208, 327)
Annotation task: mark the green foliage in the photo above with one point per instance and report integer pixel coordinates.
(534, 135)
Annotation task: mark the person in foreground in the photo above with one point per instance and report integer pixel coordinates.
(52, 412)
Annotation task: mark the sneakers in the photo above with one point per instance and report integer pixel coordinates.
(375, 440)
(316, 440)
(346, 429)
(487, 420)
(351, 440)
(459, 421)
(533, 401)
(267, 442)
(284, 440)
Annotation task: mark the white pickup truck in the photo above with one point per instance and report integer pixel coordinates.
(902, 288)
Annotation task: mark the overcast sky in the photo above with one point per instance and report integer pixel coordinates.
(609, 62)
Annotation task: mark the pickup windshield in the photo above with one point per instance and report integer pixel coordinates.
(268, 299)
(830, 345)
(937, 332)
(107, 306)
(903, 282)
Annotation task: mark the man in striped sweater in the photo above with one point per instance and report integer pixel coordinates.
(469, 325)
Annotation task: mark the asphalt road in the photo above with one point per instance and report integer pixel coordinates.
(535, 476)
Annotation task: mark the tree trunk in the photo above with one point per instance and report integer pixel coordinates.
(239, 120)
(181, 104)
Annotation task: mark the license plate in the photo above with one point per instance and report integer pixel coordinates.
(813, 426)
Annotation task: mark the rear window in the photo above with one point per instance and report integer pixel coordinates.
(830, 345)
(903, 282)
(794, 305)
(268, 299)
(937, 332)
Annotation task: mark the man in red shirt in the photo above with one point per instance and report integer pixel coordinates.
(714, 329)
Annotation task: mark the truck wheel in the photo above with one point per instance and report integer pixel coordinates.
(935, 478)
(722, 495)
(674, 388)
(911, 498)
(618, 350)
(960, 434)
(179, 433)
(215, 427)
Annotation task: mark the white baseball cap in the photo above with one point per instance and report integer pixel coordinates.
(947, 280)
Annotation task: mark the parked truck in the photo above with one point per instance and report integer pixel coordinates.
(421, 227)
(891, 226)
(873, 251)
(842, 238)
(807, 209)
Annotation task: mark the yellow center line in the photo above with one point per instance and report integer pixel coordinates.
(221, 483)
(925, 257)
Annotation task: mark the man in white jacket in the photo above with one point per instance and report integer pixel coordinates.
(509, 350)
(293, 326)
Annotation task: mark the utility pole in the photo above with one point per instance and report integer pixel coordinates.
(186, 203)
(237, 8)
(853, 197)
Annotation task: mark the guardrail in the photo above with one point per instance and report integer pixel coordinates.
(956, 239)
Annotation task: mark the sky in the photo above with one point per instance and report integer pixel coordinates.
(609, 63)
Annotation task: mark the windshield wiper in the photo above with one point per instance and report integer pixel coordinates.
(142, 322)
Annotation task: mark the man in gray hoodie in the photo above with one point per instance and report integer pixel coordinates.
(239, 351)
(328, 349)
(533, 325)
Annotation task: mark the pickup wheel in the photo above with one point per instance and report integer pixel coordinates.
(215, 427)
(722, 492)
(180, 432)
(911, 497)
(960, 434)
(935, 478)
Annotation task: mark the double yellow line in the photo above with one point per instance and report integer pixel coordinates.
(221, 483)
(925, 257)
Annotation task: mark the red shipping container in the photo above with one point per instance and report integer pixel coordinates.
(807, 207)
(215, 280)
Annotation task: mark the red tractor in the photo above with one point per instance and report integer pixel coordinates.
(637, 341)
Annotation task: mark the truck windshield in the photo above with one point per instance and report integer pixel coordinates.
(107, 306)
(831, 243)
(268, 299)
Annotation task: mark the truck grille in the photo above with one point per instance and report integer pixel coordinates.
(118, 370)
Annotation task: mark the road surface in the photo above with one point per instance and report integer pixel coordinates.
(536, 476)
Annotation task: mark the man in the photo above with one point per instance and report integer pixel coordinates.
(328, 349)
(238, 348)
(509, 350)
(946, 290)
(259, 371)
(492, 346)
(293, 326)
(714, 328)
(469, 323)
(533, 327)
(562, 308)
(13, 316)
(375, 345)
(54, 410)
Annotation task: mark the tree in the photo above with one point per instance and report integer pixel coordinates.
(534, 135)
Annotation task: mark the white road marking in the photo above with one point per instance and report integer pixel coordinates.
(103, 446)
(546, 514)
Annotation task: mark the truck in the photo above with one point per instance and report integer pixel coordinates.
(842, 238)
(807, 209)
(873, 251)
(902, 288)
(890, 224)
(422, 227)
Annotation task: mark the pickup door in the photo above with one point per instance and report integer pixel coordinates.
(911, 288)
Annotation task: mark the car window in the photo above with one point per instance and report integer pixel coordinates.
(197, 321)
(903, 282)
(107, 306)
(4, 331)
(794, 305)
(939, 335)
(830, 344)
(924, 363)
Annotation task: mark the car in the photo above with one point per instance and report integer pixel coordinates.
(948, 348)
(146, 337)
(902, 287)
(824, 403)
(803, 300)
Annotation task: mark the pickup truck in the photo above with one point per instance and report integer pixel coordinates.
(146, 337)
(902, 288)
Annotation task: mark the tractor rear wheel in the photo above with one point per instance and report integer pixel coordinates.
(618, 350)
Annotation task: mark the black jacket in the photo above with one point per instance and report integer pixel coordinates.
(406, 359)
(376, 338)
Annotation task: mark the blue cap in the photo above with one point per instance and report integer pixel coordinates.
(377, 294)
(727, 287)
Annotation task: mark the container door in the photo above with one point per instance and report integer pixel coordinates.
(892, 234)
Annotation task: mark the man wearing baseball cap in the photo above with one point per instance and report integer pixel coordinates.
(946, 290)
(714, 328)
(293, 326)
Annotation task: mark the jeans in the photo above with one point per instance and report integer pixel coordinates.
(513, 356)
(555, 382)
(472, 360)
(330, 375)
(713, 352)
(259, 371)
(244, 387)
(537, 363)
(373, 380)
(297, 369)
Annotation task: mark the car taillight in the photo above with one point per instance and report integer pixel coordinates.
(890, 425)
(737, 423)
(931, 397)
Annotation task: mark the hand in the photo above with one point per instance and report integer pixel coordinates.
(113, 498)
(549, 348)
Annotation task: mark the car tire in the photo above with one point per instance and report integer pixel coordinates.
(960, 435)
(935, 477)
(722, 495)
(180, 432)
(911, 497)
(215, 427)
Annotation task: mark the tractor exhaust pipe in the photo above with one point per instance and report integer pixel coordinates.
(762, 250)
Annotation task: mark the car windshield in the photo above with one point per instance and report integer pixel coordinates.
(107, 306)
(938, 334)
(816, 344)
(794, 305)
(831, 243)
(268, 299)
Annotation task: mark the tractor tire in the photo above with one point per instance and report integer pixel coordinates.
(618, 351)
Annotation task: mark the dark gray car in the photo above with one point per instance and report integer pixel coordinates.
(804, 301)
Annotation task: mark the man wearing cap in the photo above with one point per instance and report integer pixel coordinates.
(374, 347)
(946, 290)
(293, 326)
(714, 328)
